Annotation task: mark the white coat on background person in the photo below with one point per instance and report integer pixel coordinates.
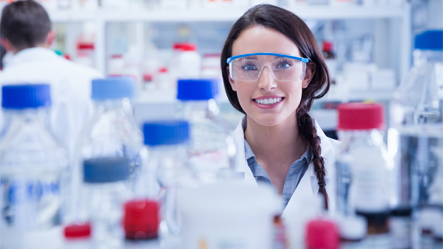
(309, 181)
(27, 34)
(70, 89)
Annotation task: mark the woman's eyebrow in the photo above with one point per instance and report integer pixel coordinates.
(251, 57)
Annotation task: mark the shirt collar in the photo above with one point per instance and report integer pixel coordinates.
(307, 156)
(31, 54)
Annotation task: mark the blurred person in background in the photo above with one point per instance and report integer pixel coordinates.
(273, 70)
(26, 33)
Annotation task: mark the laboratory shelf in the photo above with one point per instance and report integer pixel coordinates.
(66, 16)
(369, 95)
(222, 14)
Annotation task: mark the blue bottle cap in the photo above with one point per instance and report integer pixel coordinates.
(105, 169)
(197, 89)
(113, 88)
(429, 40)
(26, 96)
(166, 132)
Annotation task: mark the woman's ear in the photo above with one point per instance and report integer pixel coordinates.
(309, 74)
(230, 80)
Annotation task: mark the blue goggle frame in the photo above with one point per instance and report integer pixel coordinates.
(305, 60)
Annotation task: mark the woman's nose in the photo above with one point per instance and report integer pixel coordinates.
(266, 80)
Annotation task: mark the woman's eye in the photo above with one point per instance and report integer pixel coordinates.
(249, 67)
(283, 65)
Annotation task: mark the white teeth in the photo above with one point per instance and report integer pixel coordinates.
(268, 101)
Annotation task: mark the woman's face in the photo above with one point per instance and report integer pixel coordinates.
(258, 39)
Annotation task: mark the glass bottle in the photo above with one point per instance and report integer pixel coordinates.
(167, 163)
(112, 132)
(32, 167)
(212, 148)
(363, 163)
(105, 182)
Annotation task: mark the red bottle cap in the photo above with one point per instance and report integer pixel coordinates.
(327, 46)
(177, 45)
(77, 231)
(189, 47)
(82, 45)
(322, 234)
(360, 116)
(141, 219)
(163, 70)
(147, 77)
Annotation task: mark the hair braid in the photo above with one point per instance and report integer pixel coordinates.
(308, 130)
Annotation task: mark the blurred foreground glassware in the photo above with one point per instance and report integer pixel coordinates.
(32, 166)
(211, 147)
(167, 162)
(415, 138)
(112, 132)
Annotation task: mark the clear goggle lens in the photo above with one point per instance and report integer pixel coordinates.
(282, 68)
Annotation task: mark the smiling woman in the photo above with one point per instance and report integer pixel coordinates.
(272, 71)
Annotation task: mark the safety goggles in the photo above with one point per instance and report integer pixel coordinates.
(248, 67)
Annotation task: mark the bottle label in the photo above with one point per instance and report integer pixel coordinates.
(25, 200)
(370, 180)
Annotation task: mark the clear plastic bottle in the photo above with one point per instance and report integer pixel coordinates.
(189, 62)
(105, 182)
(363, 168)
(112, 132)
(212, 148)
(416, 134)
(415, 137)
(353, 230)
(167, 160)
(363, 164)
(32, 166)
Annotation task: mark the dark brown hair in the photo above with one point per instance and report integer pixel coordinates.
(296, 30)
(25, 24)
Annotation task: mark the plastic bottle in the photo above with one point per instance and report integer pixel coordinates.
(363, 163)
(416, 134)
(167, 161)
(363, 168)
(353, 231)
(330, 60)
(104, 181)
(212, 148)
(322, 234)
(415, 138)
(32, 167)
(228, 215)
(112, 132)
(189, 62)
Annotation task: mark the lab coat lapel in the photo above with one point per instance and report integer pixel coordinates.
(242, 164)
(309, 181)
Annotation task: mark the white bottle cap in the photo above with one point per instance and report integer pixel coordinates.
(352, 227)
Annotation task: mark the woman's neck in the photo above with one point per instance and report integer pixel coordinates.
(275, 145)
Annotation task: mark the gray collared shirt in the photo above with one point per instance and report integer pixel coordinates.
(295, 173)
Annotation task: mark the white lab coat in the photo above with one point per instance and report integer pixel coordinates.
(70, 89)
(308, 183)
